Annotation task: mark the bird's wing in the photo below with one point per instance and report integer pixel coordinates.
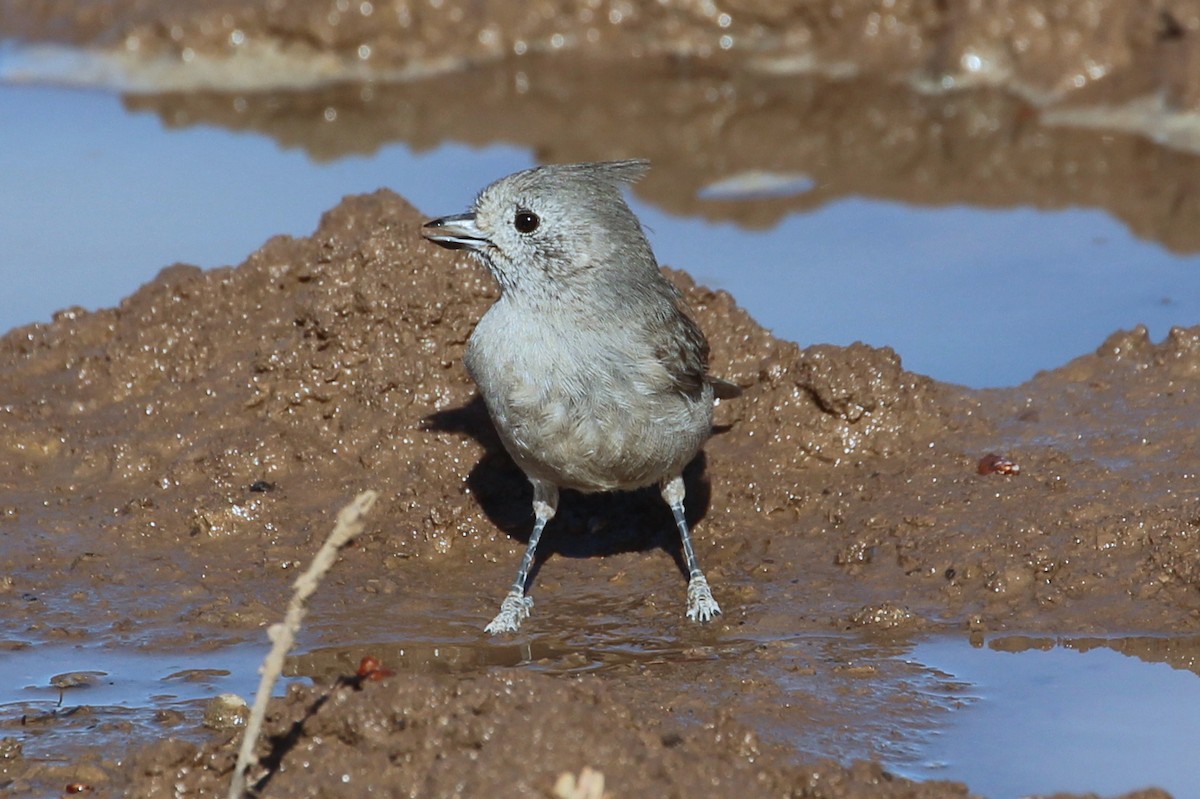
(683, 352)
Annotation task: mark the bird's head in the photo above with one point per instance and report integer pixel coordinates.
(546, 227)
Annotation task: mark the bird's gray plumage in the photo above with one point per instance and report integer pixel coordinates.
(593, 373)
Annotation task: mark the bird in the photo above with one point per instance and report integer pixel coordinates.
(593, 373)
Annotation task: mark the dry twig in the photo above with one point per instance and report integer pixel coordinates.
(283, 636)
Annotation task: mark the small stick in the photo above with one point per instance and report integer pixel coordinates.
(283, 636)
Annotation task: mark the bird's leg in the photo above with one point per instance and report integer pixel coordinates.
(515, 607)
(701, 605)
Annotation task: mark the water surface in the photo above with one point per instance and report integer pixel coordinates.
(96, 199)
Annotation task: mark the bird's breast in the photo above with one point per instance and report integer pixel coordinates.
(586, 414)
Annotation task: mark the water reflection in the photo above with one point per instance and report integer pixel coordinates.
(1068, 715)
(978, 242)
(851, 137)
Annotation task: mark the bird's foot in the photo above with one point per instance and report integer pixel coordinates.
(701, 605)
(513, 610)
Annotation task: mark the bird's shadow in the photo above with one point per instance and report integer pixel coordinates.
(586, 525)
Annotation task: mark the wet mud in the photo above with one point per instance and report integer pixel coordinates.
(169, 465)
(193, 444)
(1045, 52)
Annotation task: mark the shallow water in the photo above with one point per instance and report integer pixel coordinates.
(1050, 717)
(59, 697)
(98, 199)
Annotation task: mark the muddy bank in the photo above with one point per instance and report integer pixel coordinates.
(1038, 51)
(1110, 65)
(169, 463)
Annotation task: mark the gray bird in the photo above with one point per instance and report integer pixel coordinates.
(593, 374)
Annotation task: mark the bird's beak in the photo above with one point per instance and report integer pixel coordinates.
(457, 232)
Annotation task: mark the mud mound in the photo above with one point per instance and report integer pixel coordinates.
(168, 464)
(325, 363)
(224, 414)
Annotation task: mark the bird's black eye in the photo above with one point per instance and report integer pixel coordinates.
(526, 221)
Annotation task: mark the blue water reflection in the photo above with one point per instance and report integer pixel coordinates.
(95, 200)
(1062, 720)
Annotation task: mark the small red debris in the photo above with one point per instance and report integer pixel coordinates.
(369, 668)
(79, 787)
(998, 464)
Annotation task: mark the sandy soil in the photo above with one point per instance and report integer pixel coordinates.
(170, 463)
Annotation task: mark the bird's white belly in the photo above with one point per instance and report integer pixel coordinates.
(578, 420)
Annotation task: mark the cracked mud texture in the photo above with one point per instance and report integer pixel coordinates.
(192, 445)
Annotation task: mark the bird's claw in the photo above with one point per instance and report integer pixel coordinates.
(513, 610)
(701, 605)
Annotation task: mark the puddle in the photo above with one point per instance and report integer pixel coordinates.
(1042, 716)
(854, 699)
(813, 260)
(58, 698)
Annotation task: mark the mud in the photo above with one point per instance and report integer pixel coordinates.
(504, 736)
(169, 464)
(1039, 50)
(192, 444)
